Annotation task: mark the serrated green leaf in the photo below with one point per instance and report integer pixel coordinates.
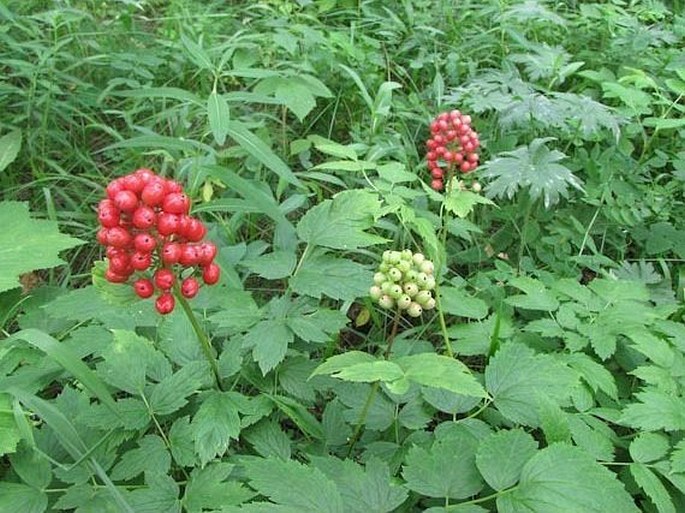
(653, 487)
(592, 435)
(239, 313)
(171, 393)
(161, 495)
(516, 377)
(294, 485)
(501, 457)
(302, 418)
(269, 440)
(319, 326)
(28, 244)
(214, 425)
(648, 447)
(181, 441)
(566, 479)
(656, 410)
(664, 123)
(273, 266)
(678, 457)
(340, 223)
(363, 490)
(9, 431)
(10, 144)
(455, 301)
(219, 116)
(379, 370)
(151, 455)
(462, 202)
(32, 467)
(594, 374)
(15, 497)
(208, 489)
(269, 340)
(337, 278)
(537, 296)
(438, 371)
(342, 361)
(437, 473)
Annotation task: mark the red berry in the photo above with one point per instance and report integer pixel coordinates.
(190, 287)
(109, 216)
(145, 174)
(207, 253)
(472, 157)
(172, 186)
(465, 167)
(102, 236)
(171, 252)
(211, 274)
(120, 264)
(143, 288)
(164, 278)
(141, 261)
(143, 217)
(437, 184)
(195, 230)
(190, 255)
(133, 183)
(144, 242)
(176, 203)
(437, 173)
(153, 193)
(114, 187)
(167, 223)
(126, 201)
(165, 303)
(112, 252)
(113, 277)
(118, 237)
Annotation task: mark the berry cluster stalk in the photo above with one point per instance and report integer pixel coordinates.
(201, 336)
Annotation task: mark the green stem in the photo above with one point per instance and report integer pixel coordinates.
(374, 388)
(201, 336)
(524, 232)
(443, 325)
(443, 242)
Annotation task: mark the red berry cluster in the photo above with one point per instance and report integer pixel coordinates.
(453, 143)
(145, 225)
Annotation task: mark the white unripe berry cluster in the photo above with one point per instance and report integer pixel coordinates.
(404, 280)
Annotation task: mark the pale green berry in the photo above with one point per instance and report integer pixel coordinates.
(414, 310)
(383, 267)
(379, 278)
(395, 257)
(430, 283)
(429, 305)
(411, 275)
(427, 267)
(375, 292)
(386, 302)
(395, 274)
(404, 266)
(395, 291)
(386, 255)
(407, 254)
(422, 280)
(418, 258)
(403, 302)
(476, 187)
(423, 297)
(385, 287)
(411, 289)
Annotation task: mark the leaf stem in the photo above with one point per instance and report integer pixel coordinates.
(201, 336)
(443, 242)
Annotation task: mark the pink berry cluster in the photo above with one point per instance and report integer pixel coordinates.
(150, 236)
(452, 144)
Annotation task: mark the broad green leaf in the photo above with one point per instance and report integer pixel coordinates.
(160, 92)
(292, 484)
(269, 340)
(656, 410)
(32, 467)
(151, 455)
(659, 123)
(181, 441)
(274, 265)
(28, 244)
(594, 374)
(345, 165)
(438, 473)
(196, 53)
(379, 370)
(653, 487)
(15, 497)
(593, 435)
(10, 144)
(239, 313)
(302, 418)
(9, 431)
(518, 379)
(501, 457)
(648, 447)
(268, 439)
(297, 97)
(363, 489)
(342, 361)
(534, 167)
(258, 149)
(171, 393)
(319, 326)
(461, 202)
(214, 425)
(340, 223)
(161, 495)
(567, 480)
(207, 488)
(433, 370)
(219, 116)
(456, 302)
(678, 457)
(337, 278)
(537, 296)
